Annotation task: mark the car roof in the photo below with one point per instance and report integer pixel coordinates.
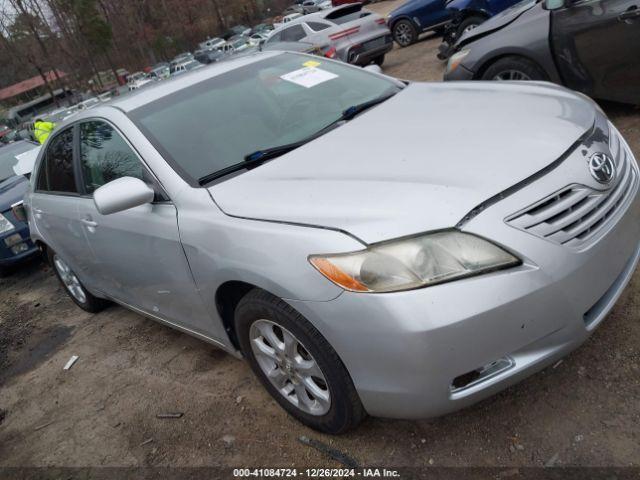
(159, 90)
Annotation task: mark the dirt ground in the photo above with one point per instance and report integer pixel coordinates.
(102, 412)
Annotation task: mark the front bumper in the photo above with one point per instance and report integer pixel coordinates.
(406, 350)
(460, 73)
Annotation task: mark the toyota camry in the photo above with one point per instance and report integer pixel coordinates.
(369, 246)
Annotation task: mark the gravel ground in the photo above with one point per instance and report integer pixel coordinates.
(102, 412)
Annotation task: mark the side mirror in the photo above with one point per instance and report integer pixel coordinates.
(122, 194)
(554, 4)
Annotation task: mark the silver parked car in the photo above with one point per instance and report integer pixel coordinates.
(358, 36)
(250, 204)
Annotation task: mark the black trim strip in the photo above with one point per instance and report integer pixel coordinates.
(527, 181)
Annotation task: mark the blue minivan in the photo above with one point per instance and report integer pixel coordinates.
(414, 17)
(16, 163)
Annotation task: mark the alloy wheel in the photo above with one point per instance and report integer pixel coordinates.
(404, 34)
(69, 280)
(290, 367)
(511, 75)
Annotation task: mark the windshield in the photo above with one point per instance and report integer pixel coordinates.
(214, 124)
(8, 158)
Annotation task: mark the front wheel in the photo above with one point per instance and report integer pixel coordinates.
(74, 288)
(296, 365)
(514, 68)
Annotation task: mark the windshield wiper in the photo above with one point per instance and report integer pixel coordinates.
(260, 156)
(354, 110)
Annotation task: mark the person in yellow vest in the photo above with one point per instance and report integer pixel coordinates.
(42, 130)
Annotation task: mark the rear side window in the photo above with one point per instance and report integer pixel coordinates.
(317, 26)
(105, 156)
(56, 173)
(293, 34)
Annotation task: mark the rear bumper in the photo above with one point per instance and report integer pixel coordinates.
(363, 55)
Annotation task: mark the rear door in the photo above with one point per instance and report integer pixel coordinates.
(596, 44)
(137, 253)
(54, 205)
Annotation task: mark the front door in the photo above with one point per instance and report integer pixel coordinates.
(596, 44)
(137, 253)
(54, 204)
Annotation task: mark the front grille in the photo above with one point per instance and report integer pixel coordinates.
(578, 214)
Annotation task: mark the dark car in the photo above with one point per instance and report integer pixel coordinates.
(15, 241)
(414, 17)
(209, 56)
(467, 15)
(237, 30)
(594, 51)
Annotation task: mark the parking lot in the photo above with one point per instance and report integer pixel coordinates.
(103, 411)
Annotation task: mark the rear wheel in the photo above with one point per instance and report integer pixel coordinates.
(514, 68)
(74, 288)
(296, 364)
(405, 33)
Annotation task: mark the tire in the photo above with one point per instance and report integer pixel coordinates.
(469, 23)
(337, 408)
(405, 33)
(379, 60)
(78, 293)
(514, 68)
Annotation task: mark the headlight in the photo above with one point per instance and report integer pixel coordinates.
(456, 59)
(5, 225)
(413, 262)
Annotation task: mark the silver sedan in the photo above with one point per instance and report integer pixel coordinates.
(353, 34)
(254, 204)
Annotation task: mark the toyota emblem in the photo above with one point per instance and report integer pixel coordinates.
(602, 167)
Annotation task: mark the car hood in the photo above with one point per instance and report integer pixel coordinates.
(418, 162)
(497, 22)
(12, 190)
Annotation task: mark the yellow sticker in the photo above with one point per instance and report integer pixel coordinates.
(311, 64)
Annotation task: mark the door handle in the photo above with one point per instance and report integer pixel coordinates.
(631, 14)
(89, 223)
(37, 212)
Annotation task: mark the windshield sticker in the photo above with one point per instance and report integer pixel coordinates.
(309, 77)
(311, 64)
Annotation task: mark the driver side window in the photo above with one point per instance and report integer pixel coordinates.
(105, 156)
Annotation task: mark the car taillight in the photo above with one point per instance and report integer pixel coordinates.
(331, 53)
(381, 21)
(344, 33)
